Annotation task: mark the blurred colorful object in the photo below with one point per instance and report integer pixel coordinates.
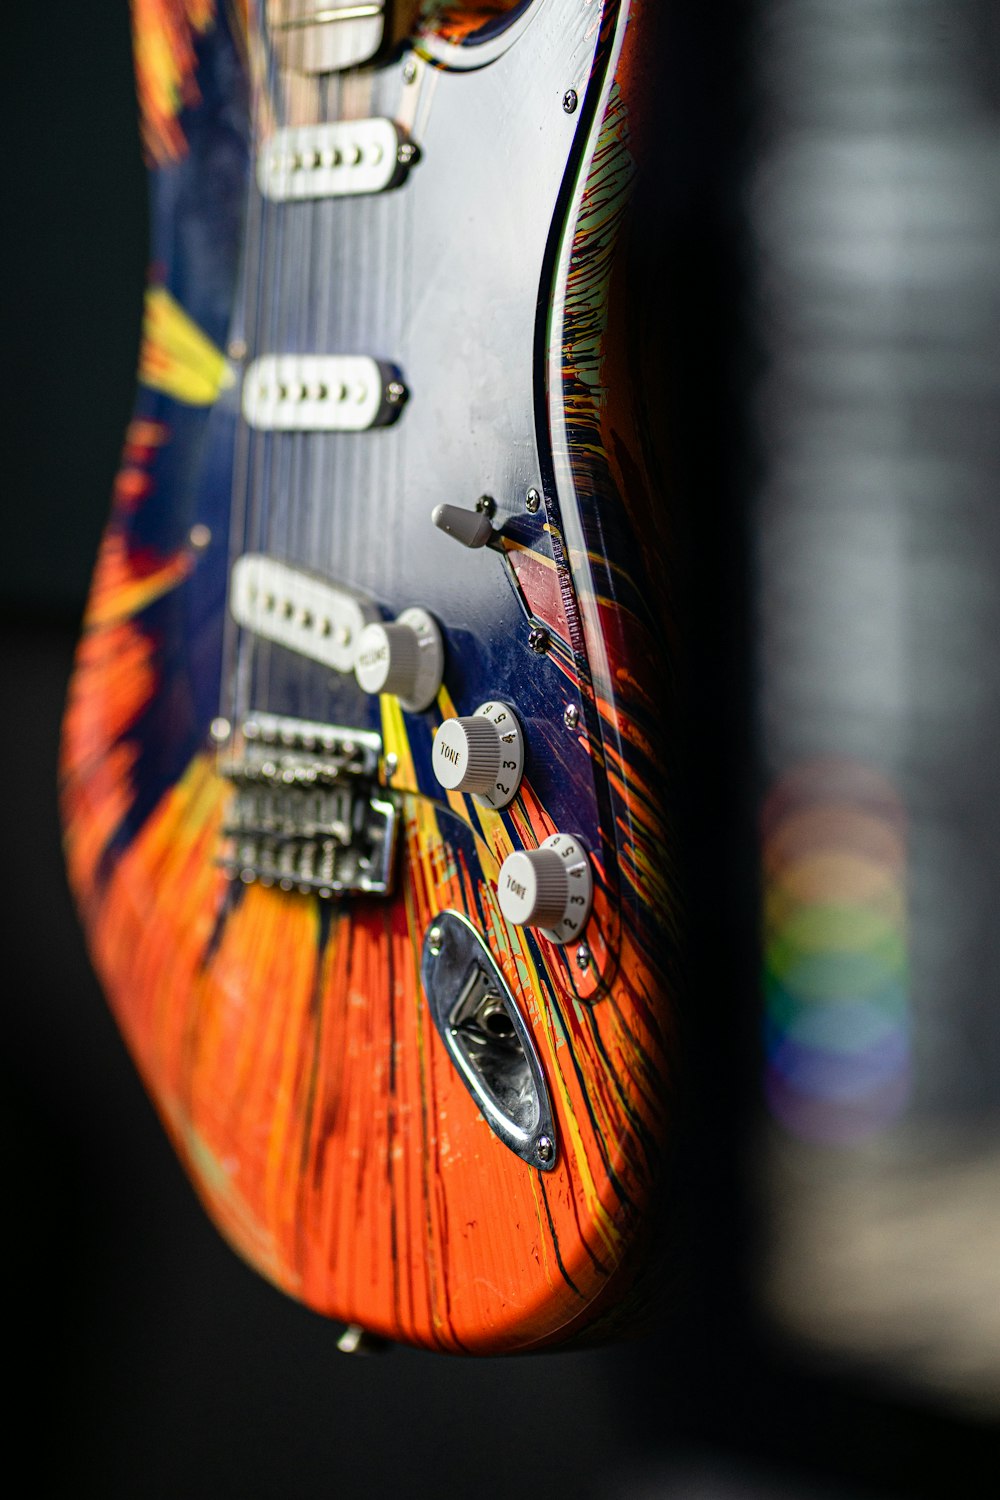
(837, 1013)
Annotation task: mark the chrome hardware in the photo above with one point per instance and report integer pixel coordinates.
(313, 618)
(487, 1039)
(200, 537)
(571, 100)
(342, 159)
(486, 506)
(320, 393)
(308, 813)
(533, 501)
(571, 718)
(538, 639)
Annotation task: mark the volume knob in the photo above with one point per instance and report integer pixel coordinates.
(551, 888)
(405, 658)
(483, 754)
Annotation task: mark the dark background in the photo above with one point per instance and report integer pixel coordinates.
(154, 1361)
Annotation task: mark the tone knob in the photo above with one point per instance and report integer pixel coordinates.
(551, 888)
(405, 658)
(483, 754)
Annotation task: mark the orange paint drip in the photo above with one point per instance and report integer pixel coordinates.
(164, 33)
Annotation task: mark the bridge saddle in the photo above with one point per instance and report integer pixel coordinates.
(309, 811)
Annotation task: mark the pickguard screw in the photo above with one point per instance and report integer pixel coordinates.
(220, 730)
(533, 502)
(237, 349)
(409, 70)
(486, 505)
(583, 957)
(199, 536)
(571, 717)
(435, 940)
(545, 1149)
(538, 639)
(570, 101)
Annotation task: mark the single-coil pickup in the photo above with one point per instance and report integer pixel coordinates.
(345, 159)
(313, 618)
(320, 393)
(325, 36)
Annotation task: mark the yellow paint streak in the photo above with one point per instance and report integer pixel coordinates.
(176, 357)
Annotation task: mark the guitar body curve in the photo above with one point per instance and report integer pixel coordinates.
(287, 1038)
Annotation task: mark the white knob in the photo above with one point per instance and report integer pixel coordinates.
(483, 755)
(405, 658)
(550, 887)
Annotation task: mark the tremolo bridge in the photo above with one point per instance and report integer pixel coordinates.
(309, 812)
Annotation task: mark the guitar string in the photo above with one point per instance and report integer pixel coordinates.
(274, 478)
(246, 476)
(263, 444)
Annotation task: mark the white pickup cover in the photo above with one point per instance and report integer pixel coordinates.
(346, 158)
(294, 609)
(319, 393)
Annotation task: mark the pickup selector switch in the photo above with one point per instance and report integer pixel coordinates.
(551, 888)
(405, 658)
(483, 754)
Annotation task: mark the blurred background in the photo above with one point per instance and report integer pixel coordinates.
(825, 205)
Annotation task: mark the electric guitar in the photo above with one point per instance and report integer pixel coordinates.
(363, 765)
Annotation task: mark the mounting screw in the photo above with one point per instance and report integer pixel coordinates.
(199, 536)
(571, 717)
(486, 505)
(391, 765)
(237, 349)
(570, 101)
(220, 730)
(583, 957)
(538, 639)
(409, 70)
(435, 940)
(545, 1149)
(533, 501)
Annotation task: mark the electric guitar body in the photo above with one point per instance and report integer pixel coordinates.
(362, 772)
